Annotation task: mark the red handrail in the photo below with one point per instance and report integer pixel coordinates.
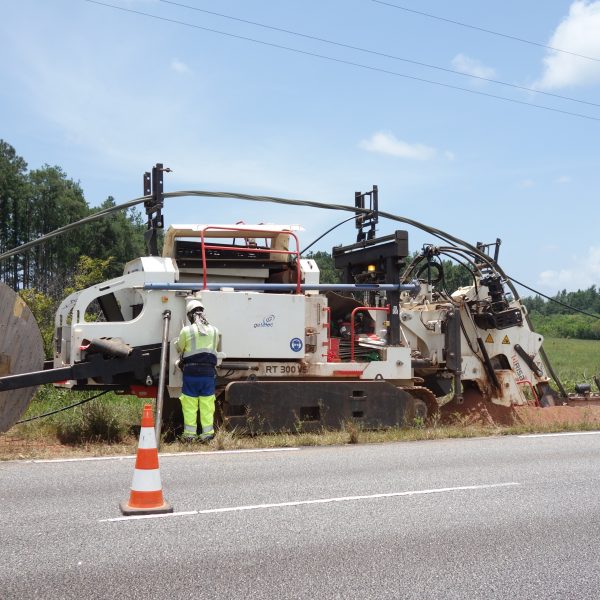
(242, 249)
(359, 309)
(327, 309)
(533, 390)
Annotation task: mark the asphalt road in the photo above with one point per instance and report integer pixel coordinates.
(515, 517)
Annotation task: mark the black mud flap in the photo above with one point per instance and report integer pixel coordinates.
(271, 406)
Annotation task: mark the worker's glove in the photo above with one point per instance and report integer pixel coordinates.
(179, 364)
(220, 357)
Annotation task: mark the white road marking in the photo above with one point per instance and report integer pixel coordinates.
(539, 435)
(160, 454)
(211, 511)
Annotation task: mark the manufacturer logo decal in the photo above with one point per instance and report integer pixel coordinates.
(296, 344)
(517, 368)
(266, 322)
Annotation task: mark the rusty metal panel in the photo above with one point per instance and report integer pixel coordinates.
(21, 351)
(269, 406)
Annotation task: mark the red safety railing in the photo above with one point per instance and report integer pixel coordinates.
(332, 354)
(532, 387)
(352, 334)
(296, 252)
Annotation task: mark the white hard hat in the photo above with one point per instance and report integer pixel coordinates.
(193, 305)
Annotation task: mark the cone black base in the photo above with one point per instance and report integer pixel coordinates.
(130, 510)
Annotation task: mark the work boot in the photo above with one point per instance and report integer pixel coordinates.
(206, 439)
(188, 439)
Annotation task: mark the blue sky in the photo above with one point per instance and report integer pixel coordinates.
(105, 94)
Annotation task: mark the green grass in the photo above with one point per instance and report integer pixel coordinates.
(109, 424)
(575, 361)
(108, 418)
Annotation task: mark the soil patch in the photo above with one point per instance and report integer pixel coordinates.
(555, 415)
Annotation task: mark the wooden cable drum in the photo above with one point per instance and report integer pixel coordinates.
(21, 351)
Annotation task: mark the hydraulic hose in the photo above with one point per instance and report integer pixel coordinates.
(438, 233)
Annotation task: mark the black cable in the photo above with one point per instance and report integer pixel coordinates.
(411, 267)
(563, 304)
(450, 239)
(508, 277)
(476, 259)
(449, 253)
(475, 350)
(443, 286)
(443, 282)
(376, 53)
(446, 237)
(464, 253)
(89, 219)
(347, 62)
(328, 231)
(464, 266)
(431, 262)
(63, 408)
(467, 248)
(504, 35)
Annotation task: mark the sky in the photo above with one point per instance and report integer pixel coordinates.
(106, 93)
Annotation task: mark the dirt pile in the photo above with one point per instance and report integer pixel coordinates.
(557, 415)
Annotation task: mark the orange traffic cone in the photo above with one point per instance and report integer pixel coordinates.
(146, 496)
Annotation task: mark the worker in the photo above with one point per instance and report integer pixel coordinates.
(198, 345)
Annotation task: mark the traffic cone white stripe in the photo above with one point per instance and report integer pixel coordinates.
(147, 438)
(145, 480)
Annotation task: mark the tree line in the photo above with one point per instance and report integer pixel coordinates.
(587, 300)
(552, 319)
(35, 202)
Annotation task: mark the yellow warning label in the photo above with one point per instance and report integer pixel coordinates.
(506, 340)
(489, 339)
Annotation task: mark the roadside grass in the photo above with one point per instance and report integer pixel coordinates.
(15, 445)
(575, 361)
(110, 418)
(110, 424)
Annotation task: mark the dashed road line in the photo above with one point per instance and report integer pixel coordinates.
(211, 511)
(564, 433)
(161, 455)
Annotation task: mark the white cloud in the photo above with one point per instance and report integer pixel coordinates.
(579, 33)
(563, 179)
(527, 183)
(584, 273)
(472, 66)
(179, 67)
(388, 143)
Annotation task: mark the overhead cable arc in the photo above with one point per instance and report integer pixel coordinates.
(350, 63)
(440, 234)
(378, 53)
(287, 201)
(490, 31)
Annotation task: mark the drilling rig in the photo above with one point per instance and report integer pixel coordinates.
(386, 346)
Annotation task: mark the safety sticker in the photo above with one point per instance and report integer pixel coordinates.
(296, 344)
(505, 340)
(489, 339)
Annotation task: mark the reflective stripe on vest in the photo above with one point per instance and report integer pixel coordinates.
(199, 343)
